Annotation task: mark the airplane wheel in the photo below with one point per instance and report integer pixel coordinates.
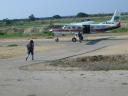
(74, 39)
(57, 39)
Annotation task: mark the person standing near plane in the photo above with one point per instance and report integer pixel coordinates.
(80, 36)
(30, 49)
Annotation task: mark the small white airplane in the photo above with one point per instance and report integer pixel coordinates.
(88, 27)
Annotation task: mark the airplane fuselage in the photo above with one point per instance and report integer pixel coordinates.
(104, 27)
(86, 28)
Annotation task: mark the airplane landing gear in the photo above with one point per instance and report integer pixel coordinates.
(57, 39)
(74, 39)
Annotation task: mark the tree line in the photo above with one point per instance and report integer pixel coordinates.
(32, 17)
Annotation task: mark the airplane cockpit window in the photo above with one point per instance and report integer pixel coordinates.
(73, 27)
(79, 28)
(68, 27)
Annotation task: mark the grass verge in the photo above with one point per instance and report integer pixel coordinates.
(90, 63)
(96, 63)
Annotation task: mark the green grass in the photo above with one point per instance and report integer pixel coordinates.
(12, 45)
(11, 35)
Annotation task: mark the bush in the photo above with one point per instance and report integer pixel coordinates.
(2, 33)
(32, 17)
(56, 16)
(81, 14)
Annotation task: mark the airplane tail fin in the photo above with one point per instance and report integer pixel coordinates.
(115, 17)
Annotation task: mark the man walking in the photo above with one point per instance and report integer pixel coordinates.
(30, 49)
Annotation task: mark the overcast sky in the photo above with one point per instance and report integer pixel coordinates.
(46, 8)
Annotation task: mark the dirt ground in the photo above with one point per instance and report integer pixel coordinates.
(38, 78)
(111, 51)
(112, 57)
(18, 51)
